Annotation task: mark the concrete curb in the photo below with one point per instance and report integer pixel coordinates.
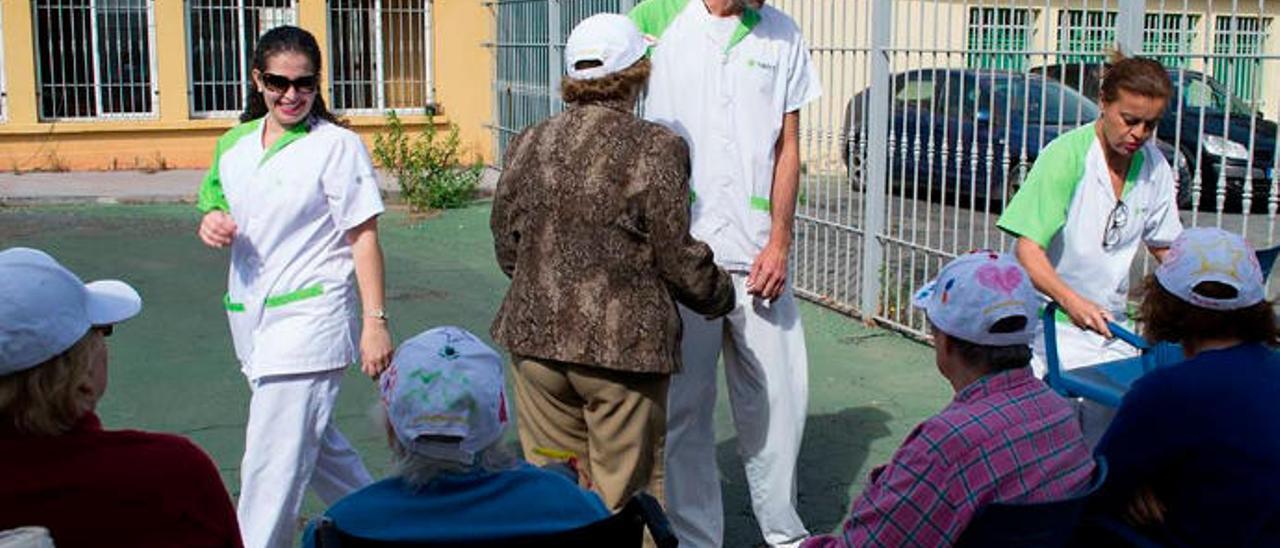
(166, 187)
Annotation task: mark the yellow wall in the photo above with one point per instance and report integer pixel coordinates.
(172, 139)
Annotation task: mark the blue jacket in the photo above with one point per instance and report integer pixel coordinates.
(457, 507)
(1205, 435)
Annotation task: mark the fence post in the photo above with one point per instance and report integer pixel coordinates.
(877, 159)
(555, 61)
(1129, 25)
(624, 6)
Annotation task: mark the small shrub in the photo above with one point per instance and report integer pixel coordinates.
(428, 167)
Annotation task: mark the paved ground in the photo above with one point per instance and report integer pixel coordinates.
(173, 368)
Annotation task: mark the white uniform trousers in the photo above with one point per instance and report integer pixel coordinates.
(1078, 348)
(766, 370)
(290, 443)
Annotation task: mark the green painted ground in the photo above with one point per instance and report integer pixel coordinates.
(173, 369)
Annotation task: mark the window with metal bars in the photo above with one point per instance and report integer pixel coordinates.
(1168, 37)
(998, 37)
(380, 56)
(1239, 40)
(1086, 35)
(95, 58)
(221, 37)
(1089, 34)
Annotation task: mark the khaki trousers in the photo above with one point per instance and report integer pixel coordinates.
(614, 422)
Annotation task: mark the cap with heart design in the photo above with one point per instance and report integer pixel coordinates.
(977, 291)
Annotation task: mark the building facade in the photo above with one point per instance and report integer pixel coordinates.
(150, 84)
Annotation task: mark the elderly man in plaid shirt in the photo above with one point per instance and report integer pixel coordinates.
(1004, 438)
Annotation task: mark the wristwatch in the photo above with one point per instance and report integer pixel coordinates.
(377, 314)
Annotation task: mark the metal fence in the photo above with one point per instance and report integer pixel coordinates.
(381, 56)
(221, 37)
(529, 47)
(95, 58)
(934, 110)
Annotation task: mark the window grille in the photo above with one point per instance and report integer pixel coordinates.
(1089, 34)
(997, 38)
(1169, 37)
(221, 37)
(380, 56)
(1241, 39)
(95, 58)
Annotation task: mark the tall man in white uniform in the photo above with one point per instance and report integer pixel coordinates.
(1095, 195)
(730, 77)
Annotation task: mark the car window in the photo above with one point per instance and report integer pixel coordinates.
(1198, 93)
(917, 93)
(1017, 97)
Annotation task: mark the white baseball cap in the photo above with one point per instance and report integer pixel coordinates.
(45, 308)
(977, 290)
(1211, 254)
(609, 38)
(445, 382)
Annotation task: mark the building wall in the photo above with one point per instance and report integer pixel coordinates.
(173, 139)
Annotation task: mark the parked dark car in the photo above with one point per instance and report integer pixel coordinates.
(1213, 129)
(970, 132)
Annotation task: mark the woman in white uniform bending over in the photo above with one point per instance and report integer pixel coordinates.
(293, 193)
(1095, 196)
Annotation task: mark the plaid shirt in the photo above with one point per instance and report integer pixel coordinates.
(1005, 438)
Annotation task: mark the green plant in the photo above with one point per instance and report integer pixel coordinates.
(429, 168)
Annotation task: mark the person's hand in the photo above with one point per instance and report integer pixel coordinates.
(1087, 315)
(217, 229)
(375, 347)
(768, 276)
(1145, 508)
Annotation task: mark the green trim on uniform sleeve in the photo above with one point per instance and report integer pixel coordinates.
(1039, 209)
(1135, 169)
(292, 134)
(746, 23)
(760, 204)
(210, 196)
(693, 197)
(654, 16)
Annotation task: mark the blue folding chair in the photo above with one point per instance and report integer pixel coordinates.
(1107, 382)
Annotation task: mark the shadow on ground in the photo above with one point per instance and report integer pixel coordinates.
(833, 453)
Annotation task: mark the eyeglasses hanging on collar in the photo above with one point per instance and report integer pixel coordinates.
(1115, 225)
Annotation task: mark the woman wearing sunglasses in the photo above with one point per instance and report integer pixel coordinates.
(293, 193)
(1094, 196)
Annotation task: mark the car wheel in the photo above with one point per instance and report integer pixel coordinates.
(1013, 181)
(1184, 195)
(855, 172)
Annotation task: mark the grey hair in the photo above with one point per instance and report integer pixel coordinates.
(418, 470)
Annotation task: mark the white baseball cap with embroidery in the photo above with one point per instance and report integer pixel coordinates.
(1211, 254)
(45, 308)
(976, 291)
(445, 382)
(611, 39)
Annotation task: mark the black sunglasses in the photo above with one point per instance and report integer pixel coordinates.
(105, 330)
(280, 84)
(1115, 223)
